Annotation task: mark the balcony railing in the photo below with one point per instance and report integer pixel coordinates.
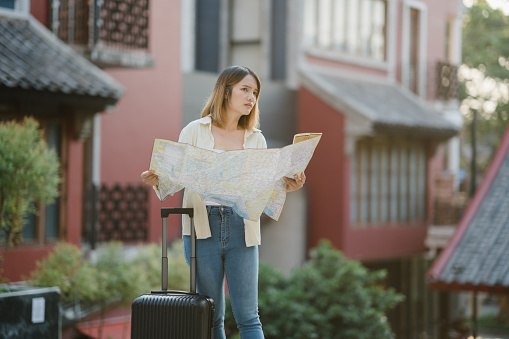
(445, 81)
(109, 32)
(449, 205)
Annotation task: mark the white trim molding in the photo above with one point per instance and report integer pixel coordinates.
(188, 36)
(294, 33)
(265, 37)
(391, 38)
(347, 58)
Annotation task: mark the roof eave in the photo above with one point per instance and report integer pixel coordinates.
(437, 134)
(363, 117)
(468, 287)
(31, 96)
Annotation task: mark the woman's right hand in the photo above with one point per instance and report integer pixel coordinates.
(150, 178)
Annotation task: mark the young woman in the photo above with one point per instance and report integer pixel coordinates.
(229, 122)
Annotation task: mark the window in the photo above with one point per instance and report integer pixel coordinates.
(245, 36)
(413, 60)
(229, 33)
(278, 40)
(414, 50)
(20, 6)
(353, 27)
(7, 3)
(207, 35)
(388, 181)
(45, 226)
(108, 32)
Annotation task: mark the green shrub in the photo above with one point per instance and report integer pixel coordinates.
(148, 263)
(329, 297)
(117, 278)
(64, 267)
(29, 173)
(113, 275)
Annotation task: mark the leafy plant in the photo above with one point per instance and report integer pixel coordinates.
(329, 297)
(113, 277)
(484, 80)
(29, 173)
(148, 263)
(65, 267)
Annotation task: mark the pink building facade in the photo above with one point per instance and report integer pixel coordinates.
(103, 146)
(377, 78)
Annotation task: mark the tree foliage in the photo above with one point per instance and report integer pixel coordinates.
(485, 78)
(485, 40)
(329, 297)
(29, 173)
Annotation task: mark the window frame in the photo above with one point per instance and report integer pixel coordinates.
(406, 46)
(313, 49)
(41, 210)
(391, 202)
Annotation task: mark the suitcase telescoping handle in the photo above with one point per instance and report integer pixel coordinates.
(165, 212)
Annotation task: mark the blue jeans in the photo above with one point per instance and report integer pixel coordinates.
(226, 252)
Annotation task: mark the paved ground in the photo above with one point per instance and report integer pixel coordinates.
(493, 335)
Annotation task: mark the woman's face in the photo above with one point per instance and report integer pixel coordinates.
(243, 97)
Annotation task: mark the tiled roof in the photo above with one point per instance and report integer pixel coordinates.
(477, 256)
(384, 106)
(31, 58)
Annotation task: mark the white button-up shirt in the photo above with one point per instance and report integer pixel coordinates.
(199, 133)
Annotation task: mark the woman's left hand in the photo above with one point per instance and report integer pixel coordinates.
(295, 184)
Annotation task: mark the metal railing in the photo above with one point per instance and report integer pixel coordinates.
(113, 24)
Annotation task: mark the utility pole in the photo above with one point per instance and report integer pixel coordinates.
(473, 164)
(473, 184)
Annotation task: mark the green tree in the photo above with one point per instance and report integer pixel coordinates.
(329, 297)
(484, 76)
(29, 173)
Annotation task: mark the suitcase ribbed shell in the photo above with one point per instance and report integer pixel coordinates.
(178, 316)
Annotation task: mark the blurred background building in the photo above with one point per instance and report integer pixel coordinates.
(377, 77)
(379, 80)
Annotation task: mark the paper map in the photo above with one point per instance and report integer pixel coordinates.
(250, 181)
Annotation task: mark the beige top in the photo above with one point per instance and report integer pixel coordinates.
(199, 133)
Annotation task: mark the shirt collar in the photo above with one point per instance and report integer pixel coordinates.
(208, 120)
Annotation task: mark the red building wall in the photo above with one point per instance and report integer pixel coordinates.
(325, 174)
(328, 187)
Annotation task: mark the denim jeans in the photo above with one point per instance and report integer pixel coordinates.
(225, 252)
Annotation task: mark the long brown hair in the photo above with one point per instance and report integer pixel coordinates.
(217, 103)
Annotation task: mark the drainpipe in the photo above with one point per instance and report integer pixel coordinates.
(96, 177)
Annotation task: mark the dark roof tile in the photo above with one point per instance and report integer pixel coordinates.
(386, 106)
(477, 257)
(33, 58)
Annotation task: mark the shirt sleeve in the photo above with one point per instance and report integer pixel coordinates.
(187, 134)
(262, 143)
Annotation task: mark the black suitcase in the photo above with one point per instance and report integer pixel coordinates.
(173, 314)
